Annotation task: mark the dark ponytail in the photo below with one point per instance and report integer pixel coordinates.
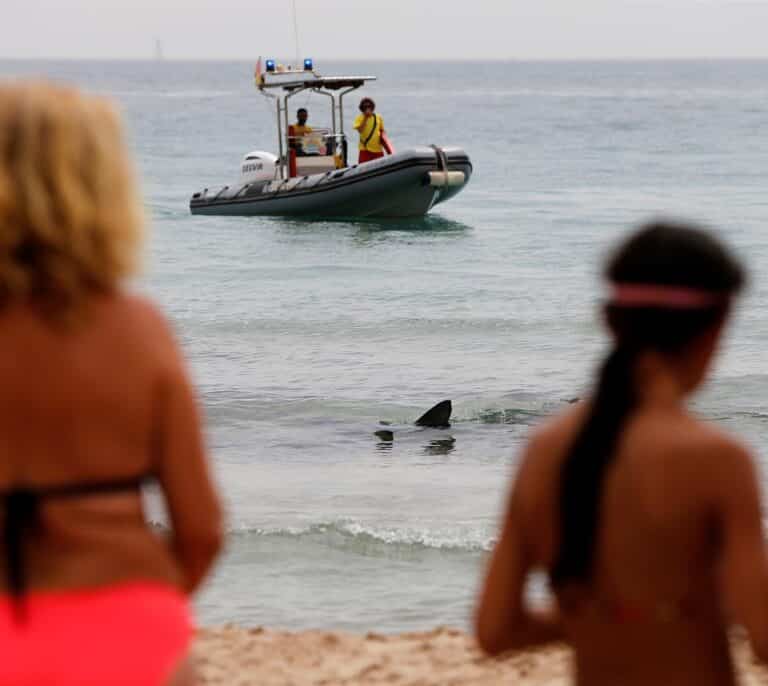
(663, 254)
(583, 472)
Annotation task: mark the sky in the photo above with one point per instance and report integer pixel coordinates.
(385, 29)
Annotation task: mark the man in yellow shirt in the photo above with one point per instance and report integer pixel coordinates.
(371, 128)
(297, 131)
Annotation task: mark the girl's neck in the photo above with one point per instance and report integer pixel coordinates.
(658, 382)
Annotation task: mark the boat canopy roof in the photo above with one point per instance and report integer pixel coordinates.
(293, 80)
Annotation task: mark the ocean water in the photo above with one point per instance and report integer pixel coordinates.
(303, 335)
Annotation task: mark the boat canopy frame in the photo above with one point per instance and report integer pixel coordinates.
(294, 82)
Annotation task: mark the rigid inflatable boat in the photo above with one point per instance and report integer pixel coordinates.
(310, 176)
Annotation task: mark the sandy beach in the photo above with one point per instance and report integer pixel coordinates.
(444, 656)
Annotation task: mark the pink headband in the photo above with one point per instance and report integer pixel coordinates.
(659, 295)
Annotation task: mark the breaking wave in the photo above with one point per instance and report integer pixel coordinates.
(353, 534)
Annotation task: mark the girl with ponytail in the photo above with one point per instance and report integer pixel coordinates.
(646, 519)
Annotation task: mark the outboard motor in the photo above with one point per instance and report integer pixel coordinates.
(258, 166)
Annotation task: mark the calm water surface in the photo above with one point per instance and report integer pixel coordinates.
(302, 336)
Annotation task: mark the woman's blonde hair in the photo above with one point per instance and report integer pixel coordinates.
(70, 219)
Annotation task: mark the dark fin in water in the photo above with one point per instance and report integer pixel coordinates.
(438, 417)
(385, 434)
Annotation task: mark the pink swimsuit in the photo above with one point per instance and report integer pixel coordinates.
(129, 633)
(132, 634)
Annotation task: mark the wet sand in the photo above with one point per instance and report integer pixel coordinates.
(446, 657)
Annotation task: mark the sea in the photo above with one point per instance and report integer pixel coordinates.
(302, 336)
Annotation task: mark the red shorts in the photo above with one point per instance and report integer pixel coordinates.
(367, 156)
(128, 635)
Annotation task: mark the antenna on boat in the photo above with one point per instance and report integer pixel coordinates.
(296, 33)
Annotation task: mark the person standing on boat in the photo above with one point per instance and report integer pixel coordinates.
(371, 128)
(297, 131)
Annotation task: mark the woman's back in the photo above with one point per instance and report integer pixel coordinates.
(90, 403)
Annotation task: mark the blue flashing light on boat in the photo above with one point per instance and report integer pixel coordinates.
(308, 64)
(270, 65)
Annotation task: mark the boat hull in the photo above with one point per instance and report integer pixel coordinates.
(394, 186)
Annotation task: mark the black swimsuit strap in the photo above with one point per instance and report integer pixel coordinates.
(130, 483)
(20, 516)
(21, 511)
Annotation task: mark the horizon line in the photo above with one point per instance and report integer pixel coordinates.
(629, 58)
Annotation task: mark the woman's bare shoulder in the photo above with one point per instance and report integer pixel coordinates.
(138, 305)
(142, 312)
(143, 325)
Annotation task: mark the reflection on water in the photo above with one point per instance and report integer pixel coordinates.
(429, 223)
(385, 434)
(412, 230)
(435, 446)
(365, 230)
(440, 446)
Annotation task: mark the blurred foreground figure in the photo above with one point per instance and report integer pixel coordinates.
(646, 519)
(94, 402)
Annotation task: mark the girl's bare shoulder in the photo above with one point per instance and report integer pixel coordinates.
(714, 451)
(550, 438)
(685, 437)
(548, 442)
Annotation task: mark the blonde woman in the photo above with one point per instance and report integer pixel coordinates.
(94, 402)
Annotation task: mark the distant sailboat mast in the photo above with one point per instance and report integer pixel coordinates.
(159, 50)
(296, 35)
